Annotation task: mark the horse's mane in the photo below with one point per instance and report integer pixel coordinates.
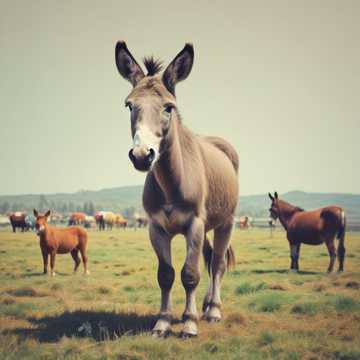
(297, 208)
(153, 66)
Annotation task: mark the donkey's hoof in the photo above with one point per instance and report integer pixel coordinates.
(160, 333)
(53, 274)
(340, 271)
(161, 329)
(190, 329)
(294, 271)
(185, 335)
(213, 315)
(212, 319)
(87, 272)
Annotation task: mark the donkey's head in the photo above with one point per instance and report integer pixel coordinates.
(274, 209)
(40, 221)
(152, 101)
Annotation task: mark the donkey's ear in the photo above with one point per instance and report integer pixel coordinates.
(179, 68)
(127, 65)
(36, 214)
(47, 214)
(271, 197)
(276, 195)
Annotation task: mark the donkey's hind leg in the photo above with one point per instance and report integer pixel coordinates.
(218, 267)
(75, 256)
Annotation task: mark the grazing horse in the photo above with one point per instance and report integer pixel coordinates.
(99, 218)
(18, 220)
(244, 222)
(55, 240)
(191, 185)
(120, 221)
(311, 228)
(77, 218)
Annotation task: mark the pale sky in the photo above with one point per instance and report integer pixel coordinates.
(280, 80)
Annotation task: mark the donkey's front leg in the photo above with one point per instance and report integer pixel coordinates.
(190, 275)
(166, 275)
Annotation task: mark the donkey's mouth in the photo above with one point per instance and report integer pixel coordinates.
(143, 163)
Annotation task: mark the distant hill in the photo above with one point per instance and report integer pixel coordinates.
(129, 197)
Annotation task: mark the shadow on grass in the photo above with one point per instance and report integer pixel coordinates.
(282, 271)
(98, 325)
(41, 274)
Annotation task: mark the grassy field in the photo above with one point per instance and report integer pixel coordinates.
(268, 313)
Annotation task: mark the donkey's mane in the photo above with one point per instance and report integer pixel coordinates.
(153, 66)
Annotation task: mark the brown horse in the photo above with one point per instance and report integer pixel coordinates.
(18, 220)
(55, 240)
(191, 186)
(311, 228)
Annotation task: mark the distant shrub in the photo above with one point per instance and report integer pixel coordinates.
(266, 338)
(27, 291)
(346, 304)
(248, 288)
(305, 309)
(104, 290)
(268, 302)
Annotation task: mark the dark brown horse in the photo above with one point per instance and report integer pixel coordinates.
(191, 186)
(55, 240)
(18, 220)
(312, 228)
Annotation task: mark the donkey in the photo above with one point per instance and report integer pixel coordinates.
(191, 185)
(55, 240)
(311, 228)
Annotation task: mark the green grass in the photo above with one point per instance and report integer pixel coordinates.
(268, 312)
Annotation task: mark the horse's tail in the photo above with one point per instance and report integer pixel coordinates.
(342, 229)
(207, 254)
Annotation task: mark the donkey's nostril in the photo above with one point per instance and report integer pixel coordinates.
(131, 155)
(151, 155)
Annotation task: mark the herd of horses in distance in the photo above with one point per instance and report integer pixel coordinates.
(191, 188)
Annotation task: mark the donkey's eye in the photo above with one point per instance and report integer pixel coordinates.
(168, 109)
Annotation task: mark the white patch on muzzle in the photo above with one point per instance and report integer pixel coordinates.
(144, 140)
(40, 230)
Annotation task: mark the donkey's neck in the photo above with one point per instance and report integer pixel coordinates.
(169, 170)
(286, 213)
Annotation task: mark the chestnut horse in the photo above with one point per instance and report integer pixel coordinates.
(55, 240)
(191, 185)
(311, 228)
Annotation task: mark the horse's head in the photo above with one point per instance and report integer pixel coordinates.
(152, 101)
(274, 209)
(41, 221)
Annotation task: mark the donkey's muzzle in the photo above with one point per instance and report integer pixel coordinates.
(143, 162)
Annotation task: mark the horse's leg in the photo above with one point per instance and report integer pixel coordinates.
(45, 256)
(190, 275)
(297, 256)
(341, 255)
(52, 262)
(218, 267)
(161, 243)
(75, 256)
(294, 248)
(332, 253)
(84, 259)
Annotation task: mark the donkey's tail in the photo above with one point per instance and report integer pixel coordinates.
(207, 254)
